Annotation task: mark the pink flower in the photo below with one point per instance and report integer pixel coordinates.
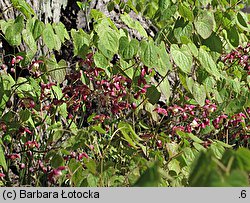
(27, 130)
(13, 61)
(100, 117)
(161, 111)
(223, 116)
(31, 144)
(18, 59)
(188, 107)
(240, 115)
(2, 175)
(22, 166)
(159, 143)
(207, 100)
(91, 147)
(219, 120)
(194, 123)
(144, 89)
(14, 156)
(143, 73)
(133, 105)
(117, 85)
(205, 123)
(216, 122)
(175, 109)
(184, 116)
(81, 155)
(56, 173)
(248, 110)
(61, 168)
(188, 129)
(210, 108)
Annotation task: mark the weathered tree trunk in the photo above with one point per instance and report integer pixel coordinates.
(68, 12)
(44, 9)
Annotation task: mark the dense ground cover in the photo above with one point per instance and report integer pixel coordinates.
(170, 108)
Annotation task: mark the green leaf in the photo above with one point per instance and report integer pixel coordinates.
(128, 49)
(150, 109)
(24, 7)
(204, 24)
(5, 24)
(81, 41)
(2, 159)
(57, 160)
(19, 23)
(237, 178)
(190, 83)
(13, 31)
(150, 178)
(57, 91)
(128, 52)
(243, 155)
(108, 41)
(192, 47)
(76, 169)
(201, 169)
(199, 93)
(30, 24)
(214, 43)
(98, 128)
(242, 21)
(100, 60)
(58, 43)
(129, 134)
(56, 70)
(96, 14)
(209, 84)
(186, 12)
(29, 40)
(164, 63)
(59, 30)
(165, 89)
(233, 36)
(24, 88)
(204, 2)
(127, 68)
(24, 115)
(90, 164)
(217, 149)
(183, 30)
(153, 94)
(164, 4)
(235, 106)
(182, 58)
(235, 85)
(148, 53)
(49, 36)
(110, 6)
(12, 36)
(38, 29)
(134, 24)
(208, 63)
(6, 83)
(198, 146)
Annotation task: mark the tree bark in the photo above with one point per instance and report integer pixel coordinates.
(68, 12)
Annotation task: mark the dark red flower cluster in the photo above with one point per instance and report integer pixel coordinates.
(192, 119)
(240, 56)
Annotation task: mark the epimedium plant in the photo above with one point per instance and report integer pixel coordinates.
(127, 102)
(52, 132)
